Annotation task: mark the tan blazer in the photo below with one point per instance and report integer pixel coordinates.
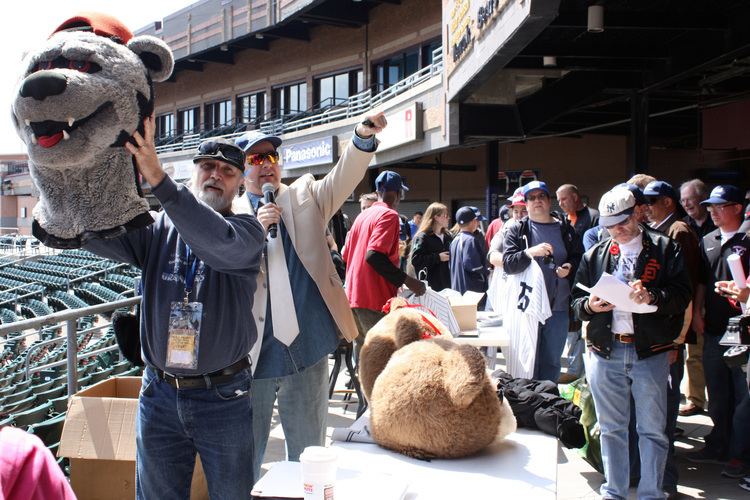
(306, 207)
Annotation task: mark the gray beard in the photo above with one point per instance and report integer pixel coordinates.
(213, 200)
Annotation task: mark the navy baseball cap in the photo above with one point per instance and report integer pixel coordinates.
(478, 213)
(637, 193)
(253, 137)
(464, 215)
(660, 188)
(534, 185)
(725, 193)
(389, 180)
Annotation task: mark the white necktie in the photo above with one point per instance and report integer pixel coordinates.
(283, 312)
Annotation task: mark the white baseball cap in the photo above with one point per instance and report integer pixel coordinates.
(615, 206)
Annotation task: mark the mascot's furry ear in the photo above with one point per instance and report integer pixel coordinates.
(155, 54)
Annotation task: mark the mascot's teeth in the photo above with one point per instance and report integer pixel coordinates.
(33, 139)
(71, 121)
(66, 135)
(27, 122)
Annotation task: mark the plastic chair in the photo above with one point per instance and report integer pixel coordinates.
(59, 405)
(18, 395)
(53, 393)
(101, 375)
(32, 416)
(345, 352)
(49, 431)
(44, 386)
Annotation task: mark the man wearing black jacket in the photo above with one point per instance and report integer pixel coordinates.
(557, 249)
(726, 386)
(628, 352)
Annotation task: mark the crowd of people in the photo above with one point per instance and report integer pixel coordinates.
(243, 301)
(670, 246)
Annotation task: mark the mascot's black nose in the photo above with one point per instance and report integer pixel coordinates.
(43, 84)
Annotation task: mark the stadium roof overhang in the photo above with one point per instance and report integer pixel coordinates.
(662, 60)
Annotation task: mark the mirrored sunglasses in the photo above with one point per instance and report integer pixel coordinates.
(257, 159)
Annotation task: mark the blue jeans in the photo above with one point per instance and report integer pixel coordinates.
(303, 408)
(576, 347)
(612, 382)
(726, 390)
(173, 425)
(549, 347)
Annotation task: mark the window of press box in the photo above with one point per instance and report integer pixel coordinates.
(165, 125)
(218, 115)
(399, 66)
(250, 108)
(187, 120)
(335, 89)
(289, 99)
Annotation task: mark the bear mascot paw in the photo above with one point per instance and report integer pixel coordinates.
(429, 397)
(80, 96)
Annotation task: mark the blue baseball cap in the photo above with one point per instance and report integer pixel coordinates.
(253, 137)
(637, 193)
(533, 186)
(478, 213)
(660, 188)
(725, 193)
(389, 180)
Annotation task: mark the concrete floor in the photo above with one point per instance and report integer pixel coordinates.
(576, 479)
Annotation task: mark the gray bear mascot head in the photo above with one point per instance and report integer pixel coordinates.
(79, 99)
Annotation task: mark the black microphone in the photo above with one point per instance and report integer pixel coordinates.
(269, 196)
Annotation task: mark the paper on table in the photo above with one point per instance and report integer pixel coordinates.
(617, 293)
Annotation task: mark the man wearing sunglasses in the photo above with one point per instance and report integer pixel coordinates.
(300, 306)
(726, 386)
(556, 247)
(665, 215)
(199, 262)
(628, 352)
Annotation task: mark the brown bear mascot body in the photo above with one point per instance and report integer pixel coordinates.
(429, 397)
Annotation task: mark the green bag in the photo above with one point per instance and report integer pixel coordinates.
(579, 393)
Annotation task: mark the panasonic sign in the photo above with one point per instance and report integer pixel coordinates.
(310, 153)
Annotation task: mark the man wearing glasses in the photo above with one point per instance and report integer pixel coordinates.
(664, 214)
(557, 249)
(627, 352)
(199, 262)
(300, 306)
(726, 386)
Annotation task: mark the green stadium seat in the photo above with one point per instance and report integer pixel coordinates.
(59, 405)
(16, 396)
(36, 389)
(49, 431)
(33, 416)
(53, 393)
(19, 406)
(101, 375)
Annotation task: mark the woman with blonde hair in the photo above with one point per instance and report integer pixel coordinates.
(430, 247)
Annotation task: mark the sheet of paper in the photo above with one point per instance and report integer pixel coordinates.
(617, 293)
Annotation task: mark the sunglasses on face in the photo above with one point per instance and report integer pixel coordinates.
(650, 200)
(257, 159)
(535, 197)
(227, 152)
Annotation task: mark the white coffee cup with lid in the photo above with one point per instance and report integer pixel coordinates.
(318, 472)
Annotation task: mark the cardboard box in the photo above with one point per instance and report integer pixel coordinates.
(464, 308)
(99, 440)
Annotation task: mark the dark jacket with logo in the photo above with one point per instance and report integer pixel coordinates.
(661, 268)
(718, 308)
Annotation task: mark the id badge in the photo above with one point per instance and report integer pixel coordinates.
(184, 335)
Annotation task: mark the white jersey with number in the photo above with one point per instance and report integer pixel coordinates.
(522, 300)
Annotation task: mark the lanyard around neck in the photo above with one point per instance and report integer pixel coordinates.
(190, 271)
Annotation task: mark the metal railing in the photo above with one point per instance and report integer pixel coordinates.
(354, 106)
(70, 319)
